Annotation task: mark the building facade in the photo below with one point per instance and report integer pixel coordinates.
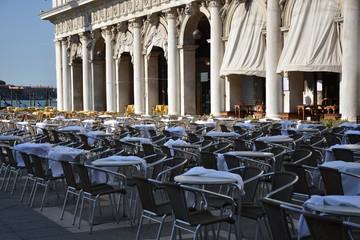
(206, 56)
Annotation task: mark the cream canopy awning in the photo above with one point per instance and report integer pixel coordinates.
(245, 49)
(312, 43)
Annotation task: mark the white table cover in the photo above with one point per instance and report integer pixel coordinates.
(144, 128)
(61, 153)
(334, 200)
(177, 131)
(74, 129)
(201, 171)
(40, 149)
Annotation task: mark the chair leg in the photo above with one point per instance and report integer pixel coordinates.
(173, 229)
(81, 210)
(160, 227)
(77, 206)
(44, 195)
(64, 204)
(139, 227)
(92, 214)
(24, 188)
(15, 180)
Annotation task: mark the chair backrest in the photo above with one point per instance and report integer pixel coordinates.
(224, 128)
(39, 164)
(84, 177)
(331, 139)
(172, 169)
(148, 149)
(301, 156)
(231, 161)
(302, 185)
(275, 132)
(239, 130)
(279, 154)
(324, 227)
(208, 160)
(343, 154)
(178, 201)
(69, 174)
(241, 145)
(338, 130)
(353, 138)
(193, 138)
(27, 161)
(9, 155)
(146, 192)
(277, 219)
(282, 185)
(260, 145)
(332, 180)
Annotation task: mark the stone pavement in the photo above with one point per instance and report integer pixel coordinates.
(20, 221)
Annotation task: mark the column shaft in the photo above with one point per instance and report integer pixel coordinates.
(110, 83)
(216, 88)
(173, 76)
(349, 106)
(65, 78)
(86, 73)
(273, 51)
(139, 97)
(59, 84)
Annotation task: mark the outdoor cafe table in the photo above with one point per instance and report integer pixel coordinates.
(40, 149)
(345, 206)
(279, 141)
(73, 129)
(144, 128)
(115, 162)
(245, 154)
(201, 176)
(61, 153)
(217, 134)
(93, 136)
(351, 185)
(329, 155)
(11, 138)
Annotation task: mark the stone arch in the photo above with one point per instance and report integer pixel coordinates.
(155, 35)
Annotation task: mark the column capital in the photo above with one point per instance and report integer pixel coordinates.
(214, 3)
(136, 22)
(84, 37)
(171, 13)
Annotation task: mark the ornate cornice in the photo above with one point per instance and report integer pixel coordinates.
(69, 20)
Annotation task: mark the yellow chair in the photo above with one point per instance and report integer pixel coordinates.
(130, 109)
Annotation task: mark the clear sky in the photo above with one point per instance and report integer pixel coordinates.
(27, 52)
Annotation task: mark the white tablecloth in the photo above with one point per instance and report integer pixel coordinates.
(245, 125)
(201, 171)
(40, 149)
(352, 201)
(73, 129)
(100, 177)
(111, 125)
(136, 139)
(222, 134)
(144, 128)
(61, 153)
(176, 131)
(351, 185)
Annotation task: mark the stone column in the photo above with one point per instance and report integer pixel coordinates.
(349, 107)
(84, 38)
(139, 93)
(173, 66)
(109, 62)
(65, 76)
(59, 84)
(216, 50)
(273, 50)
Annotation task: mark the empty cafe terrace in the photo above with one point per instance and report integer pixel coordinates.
(104, 175)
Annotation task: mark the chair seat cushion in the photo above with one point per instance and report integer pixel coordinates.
(205, 217)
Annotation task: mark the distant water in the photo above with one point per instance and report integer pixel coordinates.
(28, 104)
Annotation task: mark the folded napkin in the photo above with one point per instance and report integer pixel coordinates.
(201, 171)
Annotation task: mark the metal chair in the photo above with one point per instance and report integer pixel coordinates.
(151, 207)
(192, 221)
(92, 193)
